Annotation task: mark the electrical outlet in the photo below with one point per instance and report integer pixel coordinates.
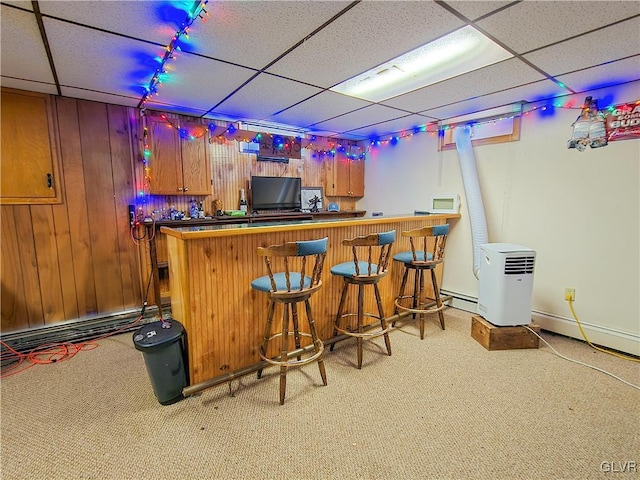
(132, 215)
(570, 294)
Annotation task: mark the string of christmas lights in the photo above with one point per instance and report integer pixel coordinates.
(156, 80)
(145, 188)
(282, 142)
(231, 133)
(434, 129)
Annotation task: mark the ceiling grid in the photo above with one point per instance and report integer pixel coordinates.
(276, 61)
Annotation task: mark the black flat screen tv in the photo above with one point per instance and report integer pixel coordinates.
(275, 193)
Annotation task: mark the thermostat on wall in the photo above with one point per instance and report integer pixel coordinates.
(444, 203)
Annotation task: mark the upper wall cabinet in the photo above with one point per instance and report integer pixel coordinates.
(29, 166)
(345, 177)
(178, 166)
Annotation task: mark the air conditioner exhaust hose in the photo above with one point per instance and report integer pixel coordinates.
(462, 136)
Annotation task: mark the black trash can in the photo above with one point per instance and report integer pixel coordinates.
(162, 346)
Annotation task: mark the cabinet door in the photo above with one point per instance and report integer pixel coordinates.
(356, 178)
(29, 167)
(165, 165)
(346, 177)
(196, 170)
(341, 176)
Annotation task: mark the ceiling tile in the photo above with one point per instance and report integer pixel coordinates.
(529, 93)
(151, 21)
(530, 25)
(129, 101)
(178, 109)
(493, 78)
(21, 40)
(609, 74)
(475, 10)
(200, 83)
(99, 61)
(318, 108)
(265, 95)
(254, 33)
(367, 35)
(589, 50)
(397, 126)
(111, 64)
(365, 116)
(27, 5)
(30, 86)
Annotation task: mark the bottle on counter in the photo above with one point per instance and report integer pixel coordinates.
(243, 201)
(193, 209)
(200, 210)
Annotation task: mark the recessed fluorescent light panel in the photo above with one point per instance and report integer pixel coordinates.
(459, 52)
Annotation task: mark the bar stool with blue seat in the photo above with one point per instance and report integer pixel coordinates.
(295, 277)
(363, 271)
(427, 252)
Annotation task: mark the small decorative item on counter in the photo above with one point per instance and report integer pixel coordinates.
(313, 203)
(217, 207)
(243, 201)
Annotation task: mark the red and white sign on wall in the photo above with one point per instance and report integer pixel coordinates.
(623, 122)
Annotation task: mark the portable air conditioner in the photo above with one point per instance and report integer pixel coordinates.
(506, 283)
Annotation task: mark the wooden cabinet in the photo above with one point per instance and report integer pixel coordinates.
(345, 177)
(177, 166)
(30, 169)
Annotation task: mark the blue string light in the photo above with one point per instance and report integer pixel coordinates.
(160, 72)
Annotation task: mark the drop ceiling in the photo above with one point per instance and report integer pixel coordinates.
(273, 62)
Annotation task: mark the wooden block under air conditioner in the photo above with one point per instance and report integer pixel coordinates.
(493, 337)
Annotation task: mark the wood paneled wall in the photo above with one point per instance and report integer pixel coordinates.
(75, 260)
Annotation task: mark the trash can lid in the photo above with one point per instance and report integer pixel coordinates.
(156, 334)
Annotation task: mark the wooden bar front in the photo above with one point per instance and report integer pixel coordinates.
(211, 269)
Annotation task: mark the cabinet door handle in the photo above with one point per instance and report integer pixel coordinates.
(49, 180)
(179, 189)
(186, 189)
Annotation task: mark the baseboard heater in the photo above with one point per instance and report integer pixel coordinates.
(78, 331)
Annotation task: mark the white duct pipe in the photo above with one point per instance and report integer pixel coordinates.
(462, 136)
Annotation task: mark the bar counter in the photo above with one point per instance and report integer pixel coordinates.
(211, 268)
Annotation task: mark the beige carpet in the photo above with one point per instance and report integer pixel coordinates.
(441, 408)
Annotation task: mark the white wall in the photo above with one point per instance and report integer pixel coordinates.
(580, 212)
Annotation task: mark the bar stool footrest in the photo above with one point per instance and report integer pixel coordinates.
(317, 348)
(377, 333)
(423, 309)
(352, 333)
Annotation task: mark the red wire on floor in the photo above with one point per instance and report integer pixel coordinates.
(51, 352)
